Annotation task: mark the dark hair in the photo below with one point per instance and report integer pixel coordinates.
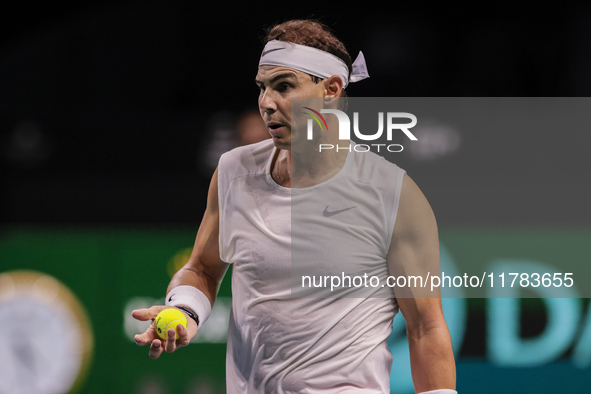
(311, 33)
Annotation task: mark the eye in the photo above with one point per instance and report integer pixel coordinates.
(283, 87)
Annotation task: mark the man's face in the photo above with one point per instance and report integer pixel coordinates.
(277, 86)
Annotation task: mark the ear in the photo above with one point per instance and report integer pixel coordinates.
(333, 87)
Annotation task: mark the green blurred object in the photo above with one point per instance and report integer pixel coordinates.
(106, 268)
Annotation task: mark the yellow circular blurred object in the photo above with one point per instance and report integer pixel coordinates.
(47, 340)
(169, 318)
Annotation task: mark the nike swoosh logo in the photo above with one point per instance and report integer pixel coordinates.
(271, 50)
(170, 299)
(328, 213)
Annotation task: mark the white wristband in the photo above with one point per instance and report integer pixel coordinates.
(440, 391)
(193, 298)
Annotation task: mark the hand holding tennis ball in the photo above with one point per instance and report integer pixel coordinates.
(169, 318)
(164, 317)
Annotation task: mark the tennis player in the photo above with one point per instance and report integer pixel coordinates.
(278, 343)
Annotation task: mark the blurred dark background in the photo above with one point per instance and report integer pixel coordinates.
(108, 109)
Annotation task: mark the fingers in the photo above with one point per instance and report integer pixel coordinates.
(183, 336)
(171, 344)
(155, 349)
(170, 341)
(147, 313)
(147, 337)
(143, 339)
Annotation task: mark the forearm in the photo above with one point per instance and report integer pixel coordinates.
(204, 270)
(196, 284)
(432, 360)
(198, 278)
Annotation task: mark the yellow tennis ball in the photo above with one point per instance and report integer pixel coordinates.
(169, 318)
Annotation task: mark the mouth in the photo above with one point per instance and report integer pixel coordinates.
(275, 128)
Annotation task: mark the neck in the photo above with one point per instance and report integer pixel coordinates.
(305, 170)
(281, 168)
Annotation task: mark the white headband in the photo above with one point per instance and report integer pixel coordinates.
(312, 61)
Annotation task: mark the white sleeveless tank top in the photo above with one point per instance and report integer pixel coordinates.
(281, 344)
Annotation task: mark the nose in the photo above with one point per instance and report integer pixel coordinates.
(267, 102)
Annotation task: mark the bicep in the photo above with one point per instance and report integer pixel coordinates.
(206, 249)
(414, 253)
